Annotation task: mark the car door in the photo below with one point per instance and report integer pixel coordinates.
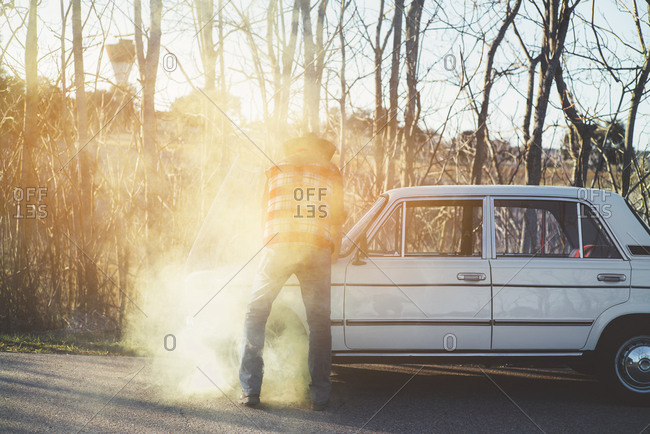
(425, 282)
(555, 269)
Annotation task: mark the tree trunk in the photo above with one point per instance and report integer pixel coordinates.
(379, 121)
(412, 42)
(64, 105)
(30, 127)
(584, 131)
(257, 64)
(481, 130)
(204, 13)
(343, 86)
(148, 67)
(310, 94)
(276, 70)
(628, 154)
(24, 285)
(555, 30)
(288, 54)
(88, 286)
(204, 16)
(392, 93)
(320, 60)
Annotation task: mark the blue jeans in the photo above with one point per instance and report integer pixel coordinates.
(312, 267)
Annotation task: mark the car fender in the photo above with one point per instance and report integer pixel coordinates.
(638, 303)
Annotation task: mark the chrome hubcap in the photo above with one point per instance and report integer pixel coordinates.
(644, 365)
(633, 364)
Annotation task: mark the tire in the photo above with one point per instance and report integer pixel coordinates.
(625, 366)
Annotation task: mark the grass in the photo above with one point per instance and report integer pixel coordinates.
(65, 343)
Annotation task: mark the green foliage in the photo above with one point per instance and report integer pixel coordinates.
(65, 343)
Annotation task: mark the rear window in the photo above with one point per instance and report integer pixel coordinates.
(596, 242)
(539, 228)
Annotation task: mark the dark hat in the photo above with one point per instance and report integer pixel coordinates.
(310, 142)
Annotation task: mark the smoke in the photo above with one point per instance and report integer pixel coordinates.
(192, 315)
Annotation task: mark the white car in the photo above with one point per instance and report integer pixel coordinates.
(498, 271)
(484, 273)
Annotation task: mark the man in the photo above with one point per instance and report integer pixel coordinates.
(303, 200)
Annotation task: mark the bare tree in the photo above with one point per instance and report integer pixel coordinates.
(635, 98)
(84, 212)
(204, 14)
(412, 43)
(30, 128)
(314, 58)
(392, 91)
(343, 82)
(584, 129)
(488, 79)
(557, 17)
(635, 87)
(64, 105)
(26, 228)
(257, 63)
(379, 117)
(310, 95)
(148, 68)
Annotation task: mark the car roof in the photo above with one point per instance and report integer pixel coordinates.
(494, 190)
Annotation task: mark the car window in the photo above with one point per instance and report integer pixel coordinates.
(597, 244)
(387, 240)
(348, 241)
(444, 228)
(538, 228)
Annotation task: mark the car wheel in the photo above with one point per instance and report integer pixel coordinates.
(627, 367)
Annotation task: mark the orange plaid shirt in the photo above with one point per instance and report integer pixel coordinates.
(303, 200)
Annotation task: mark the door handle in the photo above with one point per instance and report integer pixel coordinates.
(473, 277)
(612, 277)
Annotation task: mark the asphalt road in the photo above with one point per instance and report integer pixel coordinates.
(59, 393)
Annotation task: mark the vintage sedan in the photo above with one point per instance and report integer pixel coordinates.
(496, 273)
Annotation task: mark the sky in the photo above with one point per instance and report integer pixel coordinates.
(438, 86)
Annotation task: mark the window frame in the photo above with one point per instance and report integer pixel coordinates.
(383, 218)
(388, 210)
(577, 202)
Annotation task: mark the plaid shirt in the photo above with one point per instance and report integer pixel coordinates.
(303, 199)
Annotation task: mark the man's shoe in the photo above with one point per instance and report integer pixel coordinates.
(249, 400)
(319, 406)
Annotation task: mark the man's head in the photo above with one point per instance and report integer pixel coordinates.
(310, 143)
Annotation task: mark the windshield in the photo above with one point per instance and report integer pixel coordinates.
(362, 225)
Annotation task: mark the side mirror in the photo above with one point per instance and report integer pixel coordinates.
(361, 251)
